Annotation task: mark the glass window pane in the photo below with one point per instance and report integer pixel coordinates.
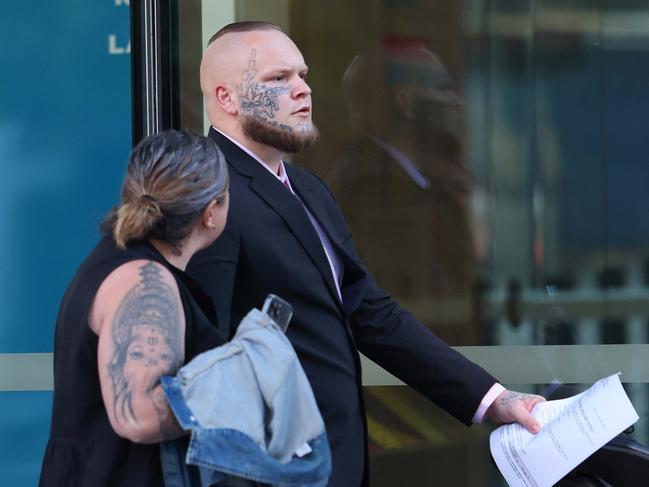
(489, 157)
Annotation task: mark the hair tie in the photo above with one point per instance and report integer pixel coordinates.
(149, 197)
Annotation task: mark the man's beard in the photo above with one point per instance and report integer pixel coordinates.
(287, 139)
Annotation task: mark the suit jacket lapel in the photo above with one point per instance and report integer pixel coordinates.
(354, 274)
(280, 199)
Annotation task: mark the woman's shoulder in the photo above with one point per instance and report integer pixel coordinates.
(140, 270)
(141, 282)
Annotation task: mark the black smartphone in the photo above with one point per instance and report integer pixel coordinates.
(279, 310)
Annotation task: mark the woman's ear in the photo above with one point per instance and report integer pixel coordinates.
(210, 215)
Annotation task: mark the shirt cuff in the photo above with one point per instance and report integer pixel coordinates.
(487, 401)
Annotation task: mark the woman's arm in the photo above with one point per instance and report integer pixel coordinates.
(139, 318)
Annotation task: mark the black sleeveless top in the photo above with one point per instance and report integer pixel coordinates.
(83, 449)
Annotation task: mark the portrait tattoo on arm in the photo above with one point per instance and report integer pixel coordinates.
(147, 343)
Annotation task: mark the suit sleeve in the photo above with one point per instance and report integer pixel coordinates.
(393, 338)
(215, 268)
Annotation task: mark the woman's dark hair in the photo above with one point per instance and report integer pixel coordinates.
(171, 177)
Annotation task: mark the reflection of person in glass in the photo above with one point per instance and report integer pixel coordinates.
(402, 185)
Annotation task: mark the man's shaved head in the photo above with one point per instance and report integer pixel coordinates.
(228, 52)
(253, 80)
(244, 27)
(226, 57)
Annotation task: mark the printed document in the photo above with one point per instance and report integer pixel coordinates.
(572, 429)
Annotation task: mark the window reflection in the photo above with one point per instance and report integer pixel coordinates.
(403, 185)
(490, 157)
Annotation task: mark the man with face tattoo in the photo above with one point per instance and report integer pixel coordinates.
(286, 235)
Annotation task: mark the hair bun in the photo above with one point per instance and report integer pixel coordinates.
(183, 171)
(151, 204)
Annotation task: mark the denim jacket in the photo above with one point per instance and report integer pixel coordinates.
(251, 413)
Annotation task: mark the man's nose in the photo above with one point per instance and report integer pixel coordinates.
(301, 88)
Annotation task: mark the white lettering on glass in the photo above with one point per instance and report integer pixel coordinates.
(114, 48)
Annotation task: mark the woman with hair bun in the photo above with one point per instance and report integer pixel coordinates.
(131, 315)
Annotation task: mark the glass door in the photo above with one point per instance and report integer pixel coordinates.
(508, 215)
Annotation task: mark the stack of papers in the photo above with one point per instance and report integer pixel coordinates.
(572, 430)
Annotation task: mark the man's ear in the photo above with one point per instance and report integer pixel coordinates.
(226, 99)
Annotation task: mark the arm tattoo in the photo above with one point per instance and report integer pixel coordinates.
(257, 99)
(147, 344)
(169, 427)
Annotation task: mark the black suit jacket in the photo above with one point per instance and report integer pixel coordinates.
(270, 246)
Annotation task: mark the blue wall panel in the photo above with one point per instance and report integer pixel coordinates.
(24, 429)
(65, 134)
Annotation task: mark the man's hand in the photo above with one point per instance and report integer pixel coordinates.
(515, 407)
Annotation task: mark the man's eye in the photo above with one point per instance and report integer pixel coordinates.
(280, 77)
